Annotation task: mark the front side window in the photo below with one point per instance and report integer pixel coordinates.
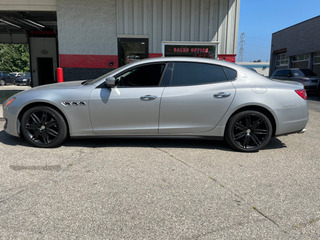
(185, 73)
(144, 76)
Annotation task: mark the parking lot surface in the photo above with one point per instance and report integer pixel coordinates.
(161, 188)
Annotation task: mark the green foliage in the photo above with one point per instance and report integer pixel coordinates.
(14, 58)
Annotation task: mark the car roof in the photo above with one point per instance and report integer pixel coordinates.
(186, 59)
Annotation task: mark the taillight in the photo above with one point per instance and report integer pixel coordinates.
(302, 93)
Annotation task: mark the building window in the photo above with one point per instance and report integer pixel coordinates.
(301, 58)
(282, 60)
(316, 58)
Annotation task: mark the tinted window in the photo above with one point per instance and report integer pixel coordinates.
(149, 75)
(282, 73)
(297, 73)
(196, 73)
(308, 72)
(275, 74)
(230, 73)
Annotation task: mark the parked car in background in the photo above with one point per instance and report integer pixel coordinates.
(16, 74)
(6, 78)
(24, 79)
(305, 76)
(179, 96)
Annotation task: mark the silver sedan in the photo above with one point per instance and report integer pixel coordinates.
(164, 97)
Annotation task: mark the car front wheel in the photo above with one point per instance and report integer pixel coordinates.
(43, 126)
(248, 131)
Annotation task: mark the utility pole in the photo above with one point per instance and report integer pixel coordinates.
(241, 50)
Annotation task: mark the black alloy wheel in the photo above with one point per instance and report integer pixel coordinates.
(43, 126)
(248, 131)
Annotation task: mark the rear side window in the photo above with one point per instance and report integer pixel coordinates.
(230, 73)
(185, 74)
(283, 73)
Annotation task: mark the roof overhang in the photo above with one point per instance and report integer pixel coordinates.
(16, 25)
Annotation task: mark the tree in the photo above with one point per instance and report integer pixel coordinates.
(14, 58)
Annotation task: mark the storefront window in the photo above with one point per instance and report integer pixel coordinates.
(282, 60)
(132, 49)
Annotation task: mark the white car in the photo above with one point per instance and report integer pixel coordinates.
(162, 97)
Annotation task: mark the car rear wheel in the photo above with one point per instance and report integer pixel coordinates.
(2, 82)
(248, 131)
(44, 127)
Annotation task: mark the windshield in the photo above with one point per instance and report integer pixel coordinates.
(93, 81)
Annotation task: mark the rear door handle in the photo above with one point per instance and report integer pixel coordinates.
(222, 95)
(148, 98)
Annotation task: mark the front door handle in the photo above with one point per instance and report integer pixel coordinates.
(148, 98)
(222, 95)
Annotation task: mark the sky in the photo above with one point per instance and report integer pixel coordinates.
(260, 18)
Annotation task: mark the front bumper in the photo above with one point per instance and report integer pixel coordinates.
(11, 121)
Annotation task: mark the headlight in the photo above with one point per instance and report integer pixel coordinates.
(7, 103)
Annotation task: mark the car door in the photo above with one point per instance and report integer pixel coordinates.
(130, 108)
(199, 96)
(8, 78)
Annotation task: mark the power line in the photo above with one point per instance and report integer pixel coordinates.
(241, 50)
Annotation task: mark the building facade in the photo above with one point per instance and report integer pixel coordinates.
(88, 38)
(297, 46)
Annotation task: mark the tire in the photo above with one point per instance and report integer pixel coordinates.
(248, 131)
(2, 82)
(43, 127)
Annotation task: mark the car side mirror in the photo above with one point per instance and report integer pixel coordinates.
(111, 82)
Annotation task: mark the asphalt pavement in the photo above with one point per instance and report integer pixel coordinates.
(161, 189)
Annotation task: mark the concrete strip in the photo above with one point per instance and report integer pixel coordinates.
(14, 87)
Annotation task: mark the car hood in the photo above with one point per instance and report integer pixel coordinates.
(55, 86)
(73, 84)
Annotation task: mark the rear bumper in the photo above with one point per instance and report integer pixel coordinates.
(292, 120)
